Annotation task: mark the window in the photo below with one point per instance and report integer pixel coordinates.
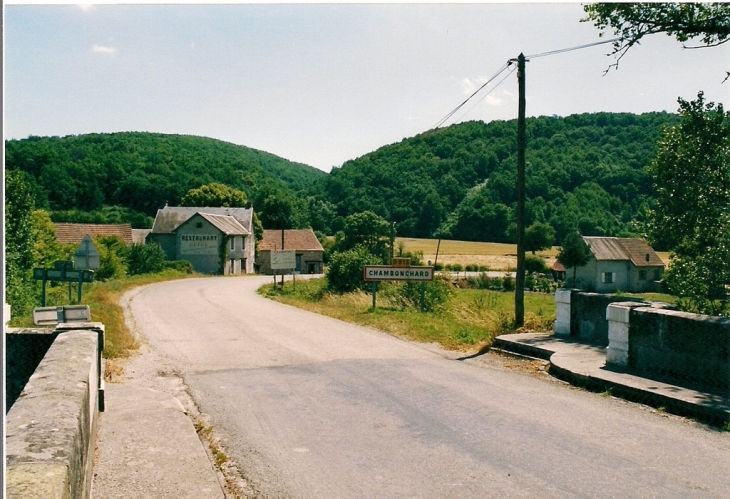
(642, 275)
(607, 277)
(657, 274)
(199, 225)
(233, 243)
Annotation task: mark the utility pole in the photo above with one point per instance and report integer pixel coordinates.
(520, 281)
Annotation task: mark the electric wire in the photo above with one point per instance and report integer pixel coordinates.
(514, 68)
(510, 63)
(449, 115)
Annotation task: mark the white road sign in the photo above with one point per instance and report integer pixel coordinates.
(390, 273)
(283, 259)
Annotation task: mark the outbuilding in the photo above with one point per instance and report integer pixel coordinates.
(308, 250)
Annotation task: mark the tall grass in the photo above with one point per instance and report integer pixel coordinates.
(469, 320)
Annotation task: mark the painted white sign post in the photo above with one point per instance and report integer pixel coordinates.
(399, 271)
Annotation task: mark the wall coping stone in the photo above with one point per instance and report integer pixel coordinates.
(51, 428)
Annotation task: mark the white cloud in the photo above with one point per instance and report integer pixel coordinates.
(468, 86)
(492, 101)
(100, 49)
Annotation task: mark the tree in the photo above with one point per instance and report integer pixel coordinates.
(345, 269)
(370, 231)
(46, 249)
(574, 252)
(18, 242)
(214, 195)
(691, 174)
(539, 236)
(708, 22)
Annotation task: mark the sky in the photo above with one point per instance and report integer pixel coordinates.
(323, 84)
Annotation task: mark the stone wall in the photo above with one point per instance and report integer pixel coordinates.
(691, 347)
(24, 350)
(588, 315)
(51, 428)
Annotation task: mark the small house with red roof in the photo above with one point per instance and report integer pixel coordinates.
(308, 250)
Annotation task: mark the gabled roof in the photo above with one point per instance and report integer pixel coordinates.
(296, 239)
(226, 224)
(630, 249)
(171, 217)
(67, 233)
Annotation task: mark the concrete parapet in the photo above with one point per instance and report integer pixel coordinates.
(618, 316)
(562, 312)
(51, 428)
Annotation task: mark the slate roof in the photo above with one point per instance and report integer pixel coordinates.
(171, 217)
(226, 224)
(67, 233)
(139, 235)
(624, 248)
(296, 239)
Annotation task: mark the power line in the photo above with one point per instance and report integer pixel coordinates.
(510, 63)
(560, 51)
(449, 115)
(514, 68)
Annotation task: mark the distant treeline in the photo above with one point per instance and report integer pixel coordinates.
(584, 172)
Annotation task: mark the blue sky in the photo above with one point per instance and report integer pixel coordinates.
(322, 84)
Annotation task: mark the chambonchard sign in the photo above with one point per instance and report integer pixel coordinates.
(391, 273)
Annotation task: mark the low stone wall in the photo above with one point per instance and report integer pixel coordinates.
(51, 428)
(691, 347)
(582, 315)
(24, 350)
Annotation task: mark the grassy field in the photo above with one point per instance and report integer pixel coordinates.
(496, 256)
(469, 321)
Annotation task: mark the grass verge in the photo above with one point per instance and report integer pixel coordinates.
(468, 321)
(103, 300)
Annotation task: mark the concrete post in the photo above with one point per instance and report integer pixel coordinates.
(617, 315)
(562, 312)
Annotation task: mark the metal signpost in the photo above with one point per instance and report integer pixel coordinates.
(63, 271)
(399, 270)
(283, 260)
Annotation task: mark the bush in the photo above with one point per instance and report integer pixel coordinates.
(145, 259)
(344, 273)
(438, 267)
(508, 283)
(471, 268)
(535, 264)
(183, 266)
(435, 294)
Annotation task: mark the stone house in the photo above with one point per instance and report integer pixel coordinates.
(213, 240)
(620, 264)
(309, 252)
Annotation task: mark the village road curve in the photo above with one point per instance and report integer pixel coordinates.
(309, 406)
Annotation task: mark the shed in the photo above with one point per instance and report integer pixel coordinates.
(308, 250)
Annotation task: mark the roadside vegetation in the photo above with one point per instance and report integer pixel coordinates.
(467, 319)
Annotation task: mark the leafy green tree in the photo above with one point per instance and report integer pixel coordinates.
(630, 22)
(345, 269)
(46, 249)
(18, 242)
(214, 195)
(691, 216)
(574, 252)
(278, 211)
(113, 256)
(539, 236)
(145, 259)
(370, 231)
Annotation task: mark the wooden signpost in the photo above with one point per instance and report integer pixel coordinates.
(399, 270)
(63, 271)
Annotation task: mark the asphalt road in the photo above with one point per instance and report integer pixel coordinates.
(308, 406)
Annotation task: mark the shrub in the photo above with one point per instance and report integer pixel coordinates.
(344, 273)
(535, 264)
(435, 294)
(508, 283)
(438, 267)
(472, 268)
(145, 259)
(183, 266)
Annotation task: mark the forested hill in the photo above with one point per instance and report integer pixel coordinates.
(584, 171)
(143, 171)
